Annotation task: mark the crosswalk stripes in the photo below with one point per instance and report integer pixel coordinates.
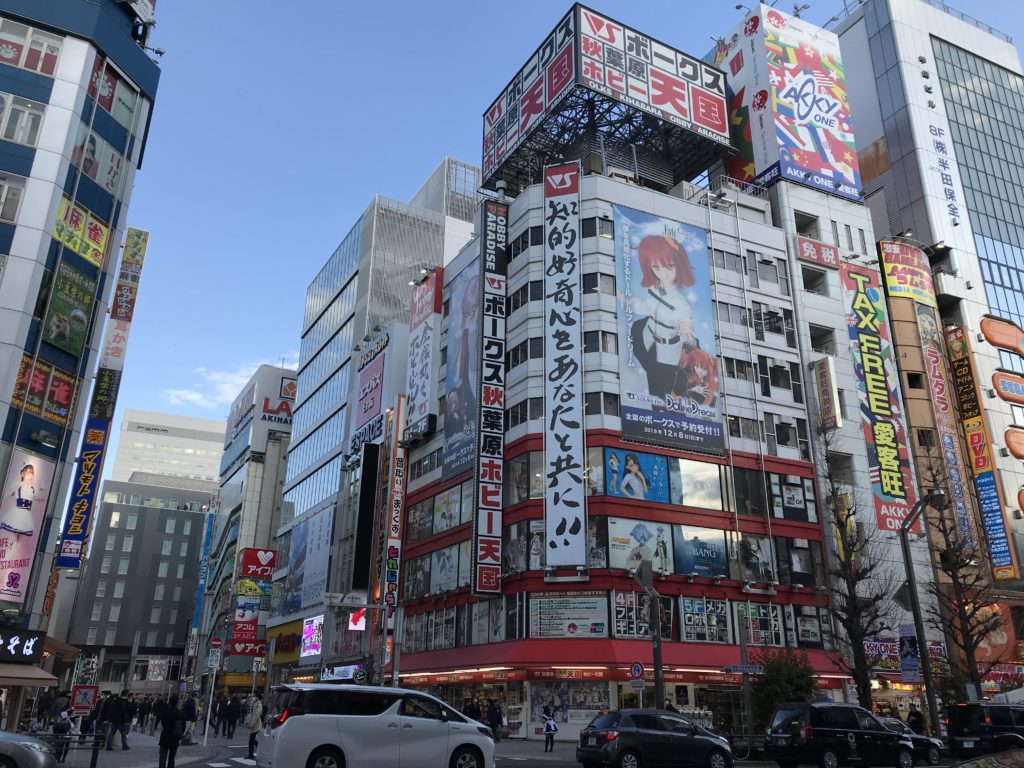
(238, 760)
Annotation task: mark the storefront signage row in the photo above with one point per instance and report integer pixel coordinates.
(511, 675)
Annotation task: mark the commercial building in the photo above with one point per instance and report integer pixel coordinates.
(135, 593)
(239, 559)
(168, 444)
(360, 291)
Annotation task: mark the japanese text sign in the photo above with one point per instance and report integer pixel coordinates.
(424, 339)
(908, 275)
(26, 495)
(83, 493)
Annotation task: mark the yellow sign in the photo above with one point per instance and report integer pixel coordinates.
(908, 275)
(81, 231)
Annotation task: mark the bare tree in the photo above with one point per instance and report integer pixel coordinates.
(859, 577)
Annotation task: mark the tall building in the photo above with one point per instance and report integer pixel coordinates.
(76, 94)
(135, 594)
(167, 444)
(242, 558)
(360, 291)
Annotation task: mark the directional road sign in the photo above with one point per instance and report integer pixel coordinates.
(747, 669)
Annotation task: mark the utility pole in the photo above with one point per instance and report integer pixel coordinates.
(645, 579)
(748, 697)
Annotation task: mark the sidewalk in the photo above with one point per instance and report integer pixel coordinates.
(534, 748)
(142, 753)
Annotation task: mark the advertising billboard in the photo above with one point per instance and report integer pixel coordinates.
(83, 494)
(122, 307)
(43, 390)
(700, 551)
(635, 475)
(788, 104)
(881, 402)
(462, 371)
(908, 274)
(590, 50)
(565, 493)
(979, 454)
(81, 231)
(67, 315)
(668, 365)
(568, 614)
(424, 341)
(256, 564)
(816, 252)
(26, 492)
(490, 440)
(395, 514)
(823, 372)
(632, 542)
(308, 556)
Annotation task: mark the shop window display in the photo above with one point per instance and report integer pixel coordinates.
(703, 620)
(700, 551)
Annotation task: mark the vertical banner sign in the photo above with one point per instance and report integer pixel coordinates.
(396, 513)
(885, 428)
(26, 494)
(979, 454)
(83, 493)
(908, 275)
(490, 458)
(462, 374)
(565, 515)
(910, 657)
(204, 565)
(421, 383)
(824, 374)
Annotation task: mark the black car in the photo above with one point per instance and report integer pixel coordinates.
(981, 728)
(830, 735)
(926, 748)
(648, 738)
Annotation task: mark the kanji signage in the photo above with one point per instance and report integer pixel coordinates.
(565, 494)
(84, 489)
(81, 231)
(256, 564)
(21, 646)
(395, 515)
(490, 455)
(817, 252)
(908, 275)
(424, 339)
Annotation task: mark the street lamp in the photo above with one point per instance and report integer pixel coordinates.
(936, 498)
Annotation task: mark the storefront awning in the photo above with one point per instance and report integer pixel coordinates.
(60, 649)
(25, 674)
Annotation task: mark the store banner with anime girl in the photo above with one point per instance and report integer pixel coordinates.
(881, 402)
(26, 493)
(667, 350)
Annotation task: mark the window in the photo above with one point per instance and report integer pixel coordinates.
(165, 547)
(105, 565)
(170, 640)
(158, 592)
(115, 612)
(115, 517)
(119, 588)
(730, 261)
(181, 571)
(815, 280)
(101, 588)
(420, 706)
(915, 381)
(849, 237)
(177, 594)
(600, 341)
(169, 525)
(122, 565)
(162, 569)
(738, 369)
(835, 233)
(127, 543)
(90, 636)
(154, 615)
(172, 616)
(23, 120)
(109, 546)
(186, 529)
(110, 636)
(926, 438)
(822, 339)
(151, 638)
(29, 48)
(183, 549)
(11, 190)
(595, 282)
(96, 610)
(131, 520)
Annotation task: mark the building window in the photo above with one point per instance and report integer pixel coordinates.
(101, 588)
(115, 517)
(90, 636)
(835, 234)
(118, 588)
(181, 571)
(169, 526)
(115, 612)
(600, 341)
(127, 543)
(122, 565)
(158, 592)
(151, 638)
(170, 640)
(172, 616)
(154, 615)
(105, 565)
(186, 529)
(165, 547)
(738, 369)
(12, 189)
(21, 124)
(815, 280)
(109, 636)
(915, 381)
(177, 594)
(595, 282)
(131, 520)
(96, 610)
(161, 571)
(926, 438)
(109, 546)
(183, 549)
(822, 339)
(31, 49)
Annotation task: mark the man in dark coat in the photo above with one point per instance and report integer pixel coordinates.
(915, 720)
(231, 720)
(113, 714)
(171, 727)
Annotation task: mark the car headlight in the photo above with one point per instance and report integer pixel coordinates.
(37, 746)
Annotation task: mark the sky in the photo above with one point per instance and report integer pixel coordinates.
(257, 164)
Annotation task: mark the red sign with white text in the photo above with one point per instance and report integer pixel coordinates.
(819, 253)
(257, 564)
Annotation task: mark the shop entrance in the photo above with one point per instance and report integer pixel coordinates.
(726, 705)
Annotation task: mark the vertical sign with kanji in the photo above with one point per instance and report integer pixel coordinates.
(564, 446)
(487, 529)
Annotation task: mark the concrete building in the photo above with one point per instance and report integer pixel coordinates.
(167, 444)
(77, 93)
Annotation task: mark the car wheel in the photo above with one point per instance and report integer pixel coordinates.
(717, 759)
(828, 759)
(466, 757)
(932, 756)
(904, 759)
(326, 757)
(629, 759)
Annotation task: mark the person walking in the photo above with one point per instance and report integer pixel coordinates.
(234, 713)
(669, 706)
(60, 703)
(915, 720)
(494, 719)
(550, 729)
(218, 711)
(62, 732)
(172, 726)
(114, 715)
(253, 721)
(189, 713)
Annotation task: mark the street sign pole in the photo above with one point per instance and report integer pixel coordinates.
(748, 699)
(645, 579)
(209, 706)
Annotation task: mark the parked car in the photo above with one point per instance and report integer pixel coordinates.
(830, 735)
(647, 738)
(926, 748)
(980, 728)
(21, 751)
(358, 726)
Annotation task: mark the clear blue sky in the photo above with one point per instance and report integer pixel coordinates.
(275, 124)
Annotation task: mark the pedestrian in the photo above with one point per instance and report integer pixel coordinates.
(131, 711)
(114, 715)
(44, 706)
(234, 713)
(158, 707)
(550, 729)
(60, 703)
(172, 727)
(189, 713)
(218, 709)
(62, 733)
(915, 720)
(669, 706)
(494, 719)
(253, 721)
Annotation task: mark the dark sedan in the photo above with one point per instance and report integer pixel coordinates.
(648, 738)
(926, 748)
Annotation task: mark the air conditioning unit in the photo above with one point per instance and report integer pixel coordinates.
(762, 259)
(777, 363)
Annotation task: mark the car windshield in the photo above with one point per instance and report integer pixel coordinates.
(605, 720)
(786, 717)
(893, 725)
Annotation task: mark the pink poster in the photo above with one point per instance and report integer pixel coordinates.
(26, 492)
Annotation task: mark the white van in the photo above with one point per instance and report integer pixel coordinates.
(360, 726)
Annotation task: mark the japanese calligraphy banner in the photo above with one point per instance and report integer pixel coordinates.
(979, 454)
(881, 402)
(824, 373)
(668, 366)
(396, 513)
(204, 565)
(60, 396)
(136, 241)
(67, 315)
(424, 340)
(943, 407)
(83, 494)
(31, 385)
(26, 493)
(788, 104)
(565, 496)
(908, 275)
(462, 371)
(490, 444)
(104, 394)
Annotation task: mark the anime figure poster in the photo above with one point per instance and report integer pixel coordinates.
(631, 542)
(26, 493)
(462, 371)
(667, 350)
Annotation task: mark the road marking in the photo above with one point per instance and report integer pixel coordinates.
(244, 760)
(218, 765)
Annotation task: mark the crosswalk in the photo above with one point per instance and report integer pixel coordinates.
(234, 761)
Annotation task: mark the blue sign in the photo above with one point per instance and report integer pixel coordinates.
(82, 502)
(700, 551)
(636, 669)
(635, 475)
(204, 565)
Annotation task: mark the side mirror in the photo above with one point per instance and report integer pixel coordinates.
(444, 715)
